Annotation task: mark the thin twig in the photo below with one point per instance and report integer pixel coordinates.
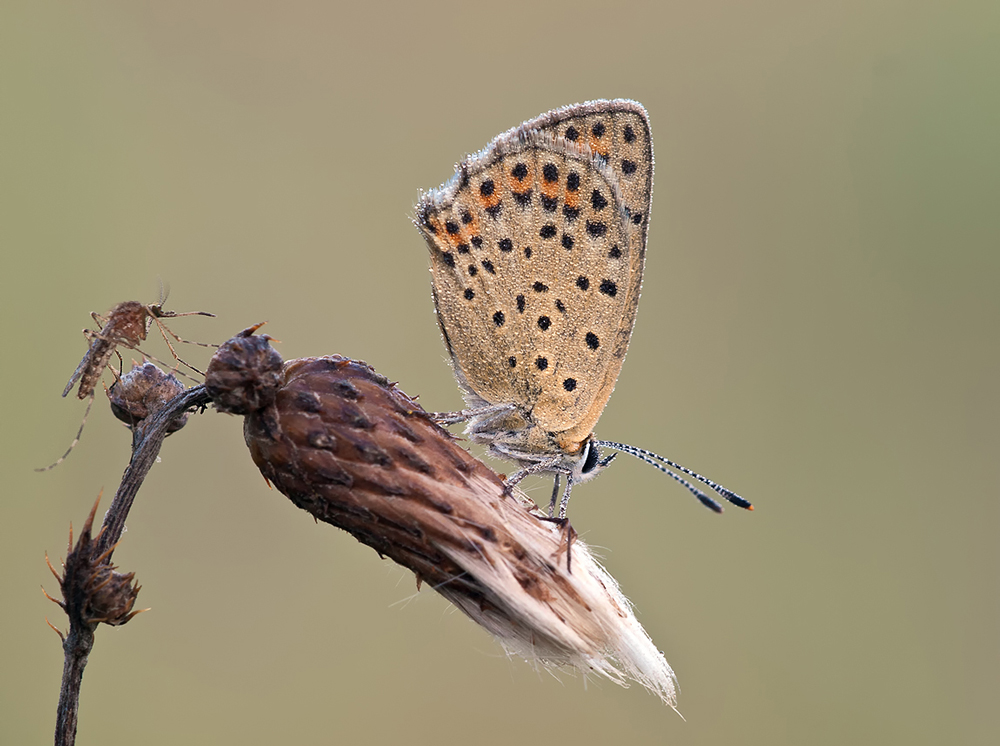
(146, 442)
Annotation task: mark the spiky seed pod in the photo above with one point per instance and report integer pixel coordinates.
(142, 392)
(113, 595)
(93, 591)
(345, 444)
(243, 374)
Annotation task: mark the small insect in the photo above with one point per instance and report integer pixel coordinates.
(537, 247)
(126, 325)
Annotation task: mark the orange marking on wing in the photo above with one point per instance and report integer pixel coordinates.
(521, 185)
(492, 201)
(472, 227)
(453, 239)
(597, 145)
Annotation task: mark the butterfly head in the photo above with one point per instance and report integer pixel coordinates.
(589, 463)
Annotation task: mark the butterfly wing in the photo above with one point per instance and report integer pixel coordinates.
(536, 264)
(617, 131)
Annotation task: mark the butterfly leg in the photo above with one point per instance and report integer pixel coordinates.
(564, 503)
(562, 521)
(536, 467)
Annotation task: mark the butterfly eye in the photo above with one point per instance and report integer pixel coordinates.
(592, 458)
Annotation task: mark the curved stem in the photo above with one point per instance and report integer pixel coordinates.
(147, 439)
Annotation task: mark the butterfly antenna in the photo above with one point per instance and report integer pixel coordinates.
(652, 459)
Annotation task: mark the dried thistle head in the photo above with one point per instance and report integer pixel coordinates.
(142, 392)
(93, 592)
(345, 444)
(243, 375)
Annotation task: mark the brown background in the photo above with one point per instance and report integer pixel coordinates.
(818, 331)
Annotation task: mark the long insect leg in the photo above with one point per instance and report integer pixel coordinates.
(164, 330)
(75, 440)
(168, 330)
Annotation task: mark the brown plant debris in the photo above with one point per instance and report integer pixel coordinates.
(244, 374)
(143, 391)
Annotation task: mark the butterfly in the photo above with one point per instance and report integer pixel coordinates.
(537, 248)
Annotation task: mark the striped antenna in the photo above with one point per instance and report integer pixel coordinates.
(652, 459)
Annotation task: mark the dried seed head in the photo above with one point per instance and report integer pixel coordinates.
(93, 592)
(112, 596)
(345, 444)
(243, 375)
(142, 392)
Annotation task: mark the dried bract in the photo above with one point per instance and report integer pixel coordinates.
(244, 374)
(142, 392)
(93, 593)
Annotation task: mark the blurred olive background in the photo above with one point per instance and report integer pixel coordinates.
(818, 331)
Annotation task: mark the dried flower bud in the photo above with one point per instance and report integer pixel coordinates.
(345, 444)
(243, 375)
(142, 392)
(112, 597)
(92, 591)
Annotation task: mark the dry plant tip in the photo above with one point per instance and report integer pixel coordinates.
(55, 629)
(345, 444)
(93, 592)
(144, 391)
(53, 600)
(243, 375)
